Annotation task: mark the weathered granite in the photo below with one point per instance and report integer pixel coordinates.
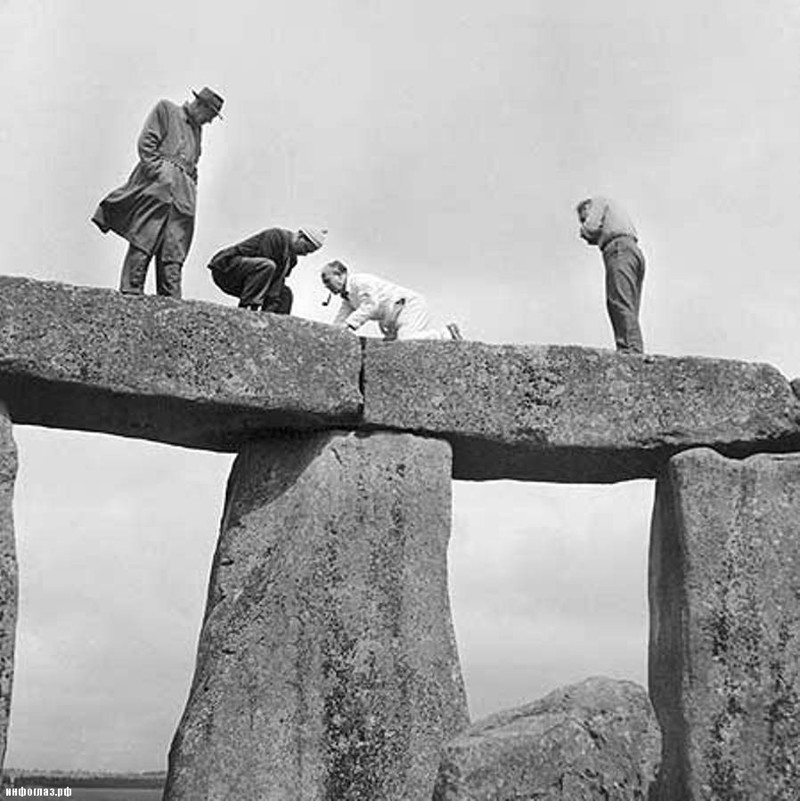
(562, 413)
(8, 574)
(725, 626)
(593, 741)
(327, 667)
(181, 372)
(208, 376)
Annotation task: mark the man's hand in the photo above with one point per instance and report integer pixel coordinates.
(589, 236)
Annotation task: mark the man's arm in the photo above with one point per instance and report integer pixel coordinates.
(345, 310)
(592, 226)
(364, 300)
(151, 137)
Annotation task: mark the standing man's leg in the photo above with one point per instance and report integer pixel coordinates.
(624, 278)
(171, 251)
(134, 271)
(168, 269)
(168, 277)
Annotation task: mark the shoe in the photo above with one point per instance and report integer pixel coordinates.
(454, 332)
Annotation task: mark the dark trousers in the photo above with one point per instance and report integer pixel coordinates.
(171, 244)
(624, 278)
(256, 281)
(134, 273)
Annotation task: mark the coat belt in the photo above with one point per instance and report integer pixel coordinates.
(182, 165)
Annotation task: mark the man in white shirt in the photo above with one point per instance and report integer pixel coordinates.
(399, 312)
(605, 224)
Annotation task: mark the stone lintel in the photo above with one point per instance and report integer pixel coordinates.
(724, 661)
(207, 376)
(573, 414)
(181, 372)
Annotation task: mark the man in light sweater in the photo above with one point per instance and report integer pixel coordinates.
(605, 224)
(399, 312)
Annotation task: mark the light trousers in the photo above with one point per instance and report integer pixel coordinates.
(413, 321)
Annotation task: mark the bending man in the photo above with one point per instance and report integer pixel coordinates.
(154, 211)
(605, 224)
(399, 313)
(255, 269)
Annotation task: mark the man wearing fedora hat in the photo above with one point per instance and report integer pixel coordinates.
(255, 269)
(154, 211)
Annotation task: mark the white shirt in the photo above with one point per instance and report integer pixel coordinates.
(370, 298)
(605, 221)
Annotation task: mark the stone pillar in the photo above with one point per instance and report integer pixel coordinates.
(8, 574)
(327, 666)
(725, 626)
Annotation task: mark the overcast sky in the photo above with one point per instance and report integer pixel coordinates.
(444, 145)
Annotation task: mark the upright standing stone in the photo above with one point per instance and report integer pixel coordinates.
(327, 668)
(8, 574)
(725, 627)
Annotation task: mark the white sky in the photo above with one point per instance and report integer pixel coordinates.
(445, 145)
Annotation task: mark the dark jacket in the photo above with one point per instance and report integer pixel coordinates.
(274, 244)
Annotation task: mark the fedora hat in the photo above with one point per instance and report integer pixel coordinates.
(210, 99)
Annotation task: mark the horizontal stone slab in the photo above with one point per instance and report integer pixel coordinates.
(207, 376)
(181, 372)
(572, 414)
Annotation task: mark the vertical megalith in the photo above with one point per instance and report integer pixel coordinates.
(725, 626)
(8, 574)
(327, 667)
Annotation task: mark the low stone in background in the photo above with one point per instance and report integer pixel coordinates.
(593, 741)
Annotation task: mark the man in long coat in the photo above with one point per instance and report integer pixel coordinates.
(155, 210)
(605, 224)
(255, 269)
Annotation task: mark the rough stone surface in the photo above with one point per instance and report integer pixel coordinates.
(562, 413)
(8, 574)
(725, 627)
(593, 741)
(208, 376)
(182, 372)
(327, 667)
